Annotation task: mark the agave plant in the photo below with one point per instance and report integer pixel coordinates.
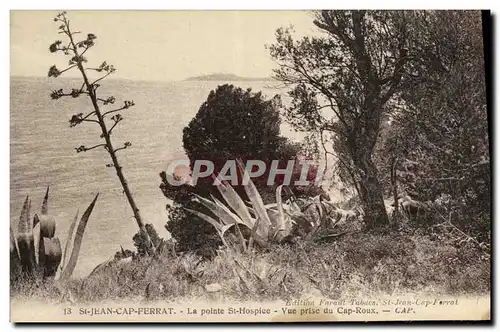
(257, 223)
(37, 250)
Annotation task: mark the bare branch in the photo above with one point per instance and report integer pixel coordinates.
(125, 145)
(90, 120)
(127, 104)
(103, 77)
(117, 118)
(83, 148)
(113, 111)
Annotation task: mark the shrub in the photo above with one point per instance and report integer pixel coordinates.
(141, 241)
(231, 124)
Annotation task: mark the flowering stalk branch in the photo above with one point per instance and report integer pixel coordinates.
(77, 62)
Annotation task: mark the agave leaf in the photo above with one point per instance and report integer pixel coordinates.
(47, 225)
(236, 223)
(220, 210)
(242, 241)
(225, 228)
(273, 216)
(240, 235)
(218, 226)
(36, 220)
(252, 210)
(279, 205)
(15, 261)
(257, 204)
(284, 226)
(230, 216)
(46, 221)
(254, 237)
(77, 243)
(36, 240)
(212, 206)
(52, 255)
(26, 252)
(45, 206)
(24, 226)
(294, 206)
(69, 239)
(253, 233)
(29, 212)
(270, 205)
(236, 203)
(13, 245)
(25, 240)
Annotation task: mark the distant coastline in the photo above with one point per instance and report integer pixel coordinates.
(219, 77)
(226, 77)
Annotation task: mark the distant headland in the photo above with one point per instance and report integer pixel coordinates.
(226, 77)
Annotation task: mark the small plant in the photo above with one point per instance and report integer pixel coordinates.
(123, 254)
(256, 275)
(76, 49)
(141, 242)
(189, 267)
(37, 251)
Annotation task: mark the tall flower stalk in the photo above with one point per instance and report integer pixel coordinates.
(76, 49)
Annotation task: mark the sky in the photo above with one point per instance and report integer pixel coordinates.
(157, 45)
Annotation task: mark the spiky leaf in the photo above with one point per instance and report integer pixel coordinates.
(69, 239)
(258, 204)
(70, 267)
(236, 203)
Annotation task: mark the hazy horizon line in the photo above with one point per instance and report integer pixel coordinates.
(255, 78)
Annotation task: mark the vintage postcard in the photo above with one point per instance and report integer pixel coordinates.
(249, 166)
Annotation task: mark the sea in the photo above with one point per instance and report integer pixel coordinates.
(42, 153)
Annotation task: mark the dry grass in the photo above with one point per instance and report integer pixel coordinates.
(357, 264)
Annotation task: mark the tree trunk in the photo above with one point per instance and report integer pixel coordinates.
(371, 196)
(394, 184)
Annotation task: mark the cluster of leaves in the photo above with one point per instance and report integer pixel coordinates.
(54, 72)
(89, 42)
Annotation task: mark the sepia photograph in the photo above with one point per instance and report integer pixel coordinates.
(250, 166)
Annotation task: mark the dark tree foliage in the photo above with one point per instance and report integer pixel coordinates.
(341, 84)
(231, 124)
(362, 70)
(235, 123)
(440, 134)
(191, 232)
(238, 124)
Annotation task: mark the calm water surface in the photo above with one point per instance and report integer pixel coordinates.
(43, 153)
